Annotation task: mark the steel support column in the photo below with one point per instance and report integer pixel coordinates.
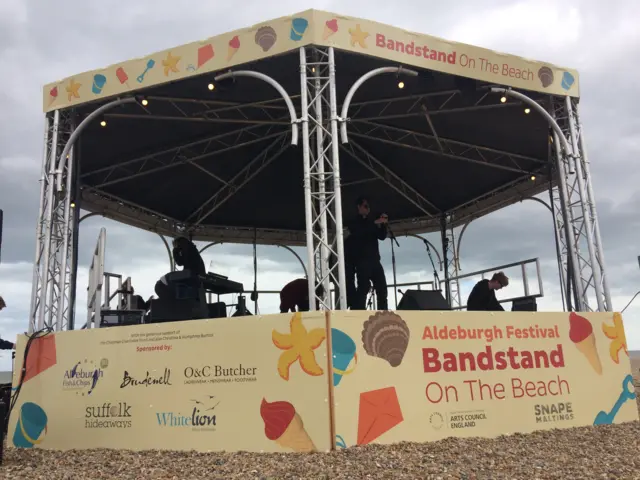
(54, 231)
(322, 190)
(583, 258)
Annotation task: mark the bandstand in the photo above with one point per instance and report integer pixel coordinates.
(268, 134)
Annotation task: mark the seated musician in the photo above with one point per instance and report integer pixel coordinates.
(186, 255)
(296, 294)
(483, 295)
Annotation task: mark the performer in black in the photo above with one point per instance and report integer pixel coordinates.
(483, 295)
(186, 255)
(365, 233)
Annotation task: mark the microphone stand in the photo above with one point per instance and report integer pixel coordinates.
(436, 278)
(393, 239)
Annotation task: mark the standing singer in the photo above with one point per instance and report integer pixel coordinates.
(365, 232)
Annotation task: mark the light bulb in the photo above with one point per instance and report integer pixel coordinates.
(527, 111)
(313, 69)
(145, 102)
(400, 84)
(503, 99)
(533, 178)
(211, 86)
(103, 123)
(73, 205)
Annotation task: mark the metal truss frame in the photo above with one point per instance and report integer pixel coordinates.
(322, 188)
(53, 265)
(181, 154)
(582, 255)
(452, 268)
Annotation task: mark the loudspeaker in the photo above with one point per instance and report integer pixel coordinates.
(175, 310)
(524, 304)
(423, 300)
(217, 310)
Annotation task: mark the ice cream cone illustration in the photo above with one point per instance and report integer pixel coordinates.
(234, 45)
(283, 425)
(330, 27)
(581, 333)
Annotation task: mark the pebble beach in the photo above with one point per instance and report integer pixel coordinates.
(604, 452)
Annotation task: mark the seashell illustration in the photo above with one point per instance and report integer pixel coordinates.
(385, 335)
(567, 80)
(266, 37)
(545, 74)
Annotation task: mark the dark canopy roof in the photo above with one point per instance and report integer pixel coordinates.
(155, 167)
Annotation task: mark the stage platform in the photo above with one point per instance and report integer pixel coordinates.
(320, 381)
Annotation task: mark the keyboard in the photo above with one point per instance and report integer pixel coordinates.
(219, 284)
(212, 282)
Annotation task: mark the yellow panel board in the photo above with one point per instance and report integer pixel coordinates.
(209, 385)
(222, 52)
(421, 376)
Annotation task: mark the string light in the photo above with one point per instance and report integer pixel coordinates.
(211, 86)
(527, 111)
(401, 85)
(533, 178)
(144, 102)
(503, 99)
(103, 123)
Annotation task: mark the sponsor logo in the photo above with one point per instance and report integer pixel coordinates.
(219, 374)
(199, 416)
(108, 415)
(146, 381)
(436, 420)
(553, 412)
(83, 377)
(460, 420)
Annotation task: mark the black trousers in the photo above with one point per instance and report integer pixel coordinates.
(370, 273)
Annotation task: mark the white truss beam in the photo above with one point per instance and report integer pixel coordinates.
(375, 166)
(576, 216)
(423, 142)
(235, 184)
(54, 239)
(322, 188)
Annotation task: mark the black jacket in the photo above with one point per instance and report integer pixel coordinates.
(363, 239)
(6, 345)
(483, 298)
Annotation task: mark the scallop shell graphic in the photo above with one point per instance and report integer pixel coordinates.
(545, 74)
(385, 335)
(265, 38)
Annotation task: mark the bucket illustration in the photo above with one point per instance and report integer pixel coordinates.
(99, 81)
(31, 423)
(344, 351)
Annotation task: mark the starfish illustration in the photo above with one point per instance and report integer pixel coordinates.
(358, 36)
(170, 64)
(298, 345)
(618, 339)
(73, 89)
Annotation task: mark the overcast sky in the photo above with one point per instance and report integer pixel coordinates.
(43, 41)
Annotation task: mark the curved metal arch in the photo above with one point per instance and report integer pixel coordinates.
(354, 88)
(277, 86)
(164, 240)
(464, 227)
(427, 242)
(286, 247)
(79, 129)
